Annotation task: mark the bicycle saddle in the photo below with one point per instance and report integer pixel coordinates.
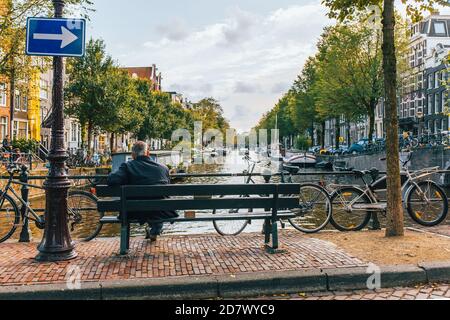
(359, 173)
(291, 169)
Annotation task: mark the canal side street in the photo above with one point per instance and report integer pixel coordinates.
(211, 267)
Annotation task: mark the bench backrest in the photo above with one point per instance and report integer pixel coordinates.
(198, 197)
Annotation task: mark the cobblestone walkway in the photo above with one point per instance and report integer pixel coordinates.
(172, 256)
(436, 292)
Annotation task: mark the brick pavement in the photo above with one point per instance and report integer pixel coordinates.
(172, 257)
(434, 292)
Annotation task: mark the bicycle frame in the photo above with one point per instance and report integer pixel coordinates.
(411, 182)
(26, 215)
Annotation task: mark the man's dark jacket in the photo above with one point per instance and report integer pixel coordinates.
(143, 171)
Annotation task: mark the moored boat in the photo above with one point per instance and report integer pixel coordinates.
(302, 160)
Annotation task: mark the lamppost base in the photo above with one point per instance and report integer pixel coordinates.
(55, 257)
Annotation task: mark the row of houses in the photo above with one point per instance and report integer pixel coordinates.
(32, 106)
(423, 105)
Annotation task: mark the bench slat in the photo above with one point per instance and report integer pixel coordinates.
(106, 191)
(110, 205)
(218, 217)
(187, 190)
(114, 205)
(190, 190)
(206, 204)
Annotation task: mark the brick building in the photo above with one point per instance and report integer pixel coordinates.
(148, 73)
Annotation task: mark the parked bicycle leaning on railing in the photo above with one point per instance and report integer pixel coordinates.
(83, 217)
(425, 201)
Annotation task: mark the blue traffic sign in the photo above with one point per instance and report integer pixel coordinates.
(56, 37)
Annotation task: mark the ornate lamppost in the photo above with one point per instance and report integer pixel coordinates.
(57, 244)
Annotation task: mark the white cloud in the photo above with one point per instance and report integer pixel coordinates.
(177, 29)
(246, 60)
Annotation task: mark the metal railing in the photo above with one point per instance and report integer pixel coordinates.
(24, 181)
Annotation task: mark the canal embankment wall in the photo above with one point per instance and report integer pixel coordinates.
(422, 158)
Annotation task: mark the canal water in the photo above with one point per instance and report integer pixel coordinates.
(233, 163)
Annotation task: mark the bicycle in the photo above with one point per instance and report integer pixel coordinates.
(83, 217)
(312, 215)
(409, 142)
(425, 201)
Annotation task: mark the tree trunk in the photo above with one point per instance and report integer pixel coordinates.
(349, 136)
(12, 96)
(337, 133)
(90, 132)
(83, 136)
(395, 222)
(371, 112)
(322, 137)
(111, 142)
(313, 139)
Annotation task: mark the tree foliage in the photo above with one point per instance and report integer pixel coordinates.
(105, 98)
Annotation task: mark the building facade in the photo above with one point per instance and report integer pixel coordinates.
(421, 92)
(148, 73)
(435, 118)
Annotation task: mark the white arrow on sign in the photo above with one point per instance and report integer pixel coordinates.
(66, 37)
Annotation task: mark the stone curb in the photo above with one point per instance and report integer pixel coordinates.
(232, 286)
(436, 272)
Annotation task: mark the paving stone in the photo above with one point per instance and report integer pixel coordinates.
(386, 294)
(173, 256)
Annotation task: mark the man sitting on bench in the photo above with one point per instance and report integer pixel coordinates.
(143, 171)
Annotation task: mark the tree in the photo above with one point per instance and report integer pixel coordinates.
(125, 106)
(86, 92)
(350, 77)
(346, 9)
(303, 100)
(210, 113)
(150, 127)
(15, 67)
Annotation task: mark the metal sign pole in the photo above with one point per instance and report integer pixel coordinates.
(57, 244)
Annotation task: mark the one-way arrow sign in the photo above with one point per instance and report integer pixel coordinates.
(55, 37)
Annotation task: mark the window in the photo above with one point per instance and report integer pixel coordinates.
(439, 28)
(25, 104)
(74, 132)
(44, 90)
(430, 81)
(3, 127)
(430, 104)
(17, 101)
(437, 126)
(436, 80)
(444, 102)
(437, 101)
(412, 109)
(2, 95)
(20, 130)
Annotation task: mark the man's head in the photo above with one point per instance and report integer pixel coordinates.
(140, 149)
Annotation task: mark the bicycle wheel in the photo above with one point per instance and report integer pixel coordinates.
(427, 204)
(347, 217)
(9, 218)
(230, 227)
(314, 211)
(84, 218)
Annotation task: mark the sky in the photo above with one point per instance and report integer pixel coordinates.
(244, 53)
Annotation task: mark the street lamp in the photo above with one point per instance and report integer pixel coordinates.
(57, 244)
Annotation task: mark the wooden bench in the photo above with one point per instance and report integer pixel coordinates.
(265, 202)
